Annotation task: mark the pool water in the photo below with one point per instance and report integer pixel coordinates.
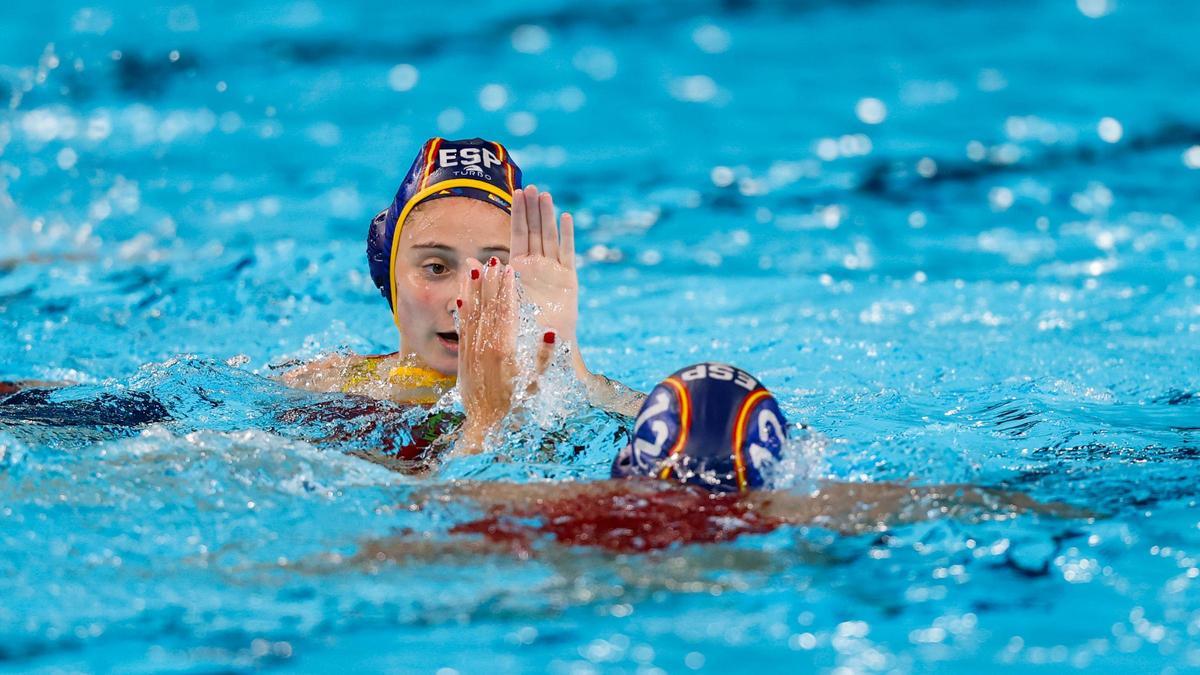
(959, 241)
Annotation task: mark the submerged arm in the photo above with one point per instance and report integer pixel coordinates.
(861, 507)
(13, 386)
(326, 374)
(516, 496)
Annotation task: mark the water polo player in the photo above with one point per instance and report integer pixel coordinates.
(710, 425)
(462, 229)
(705, 456)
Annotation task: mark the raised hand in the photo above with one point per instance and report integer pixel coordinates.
(543, 254)
(487, 349)
(487, 332)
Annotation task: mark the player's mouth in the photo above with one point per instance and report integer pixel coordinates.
(449, 340)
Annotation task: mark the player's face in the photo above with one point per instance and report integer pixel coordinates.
(437, 239)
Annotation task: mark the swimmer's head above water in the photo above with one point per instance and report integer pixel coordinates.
(710, 425)
(454, 204)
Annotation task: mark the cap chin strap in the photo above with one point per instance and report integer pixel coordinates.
(411, 204)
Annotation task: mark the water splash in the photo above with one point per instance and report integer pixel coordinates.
(802, 461)
(12, 450)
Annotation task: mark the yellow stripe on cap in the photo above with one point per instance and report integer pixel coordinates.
(685, 424)
(430, 165)
(508, 166)
(739, 435)
(412, 203)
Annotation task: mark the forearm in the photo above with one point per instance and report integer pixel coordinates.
(858, 507)
(325, 374)
(470, 439)
(608, 394)
(13, 386)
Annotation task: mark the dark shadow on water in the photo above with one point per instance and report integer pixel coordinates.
(35, 406)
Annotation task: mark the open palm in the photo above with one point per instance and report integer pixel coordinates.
(543, 255)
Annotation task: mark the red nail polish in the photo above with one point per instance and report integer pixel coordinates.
(493, 261)
(459, 302)
(548, 338)
(474, 274)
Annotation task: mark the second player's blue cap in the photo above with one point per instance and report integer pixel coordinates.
(711, 425)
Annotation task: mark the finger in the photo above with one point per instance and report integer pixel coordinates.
(566, 233)
(506, 306)
(549, 227)
(534, 215)
(473, 279)
(498, 322)
(520, 225)
(491, 283)
(479, 316)
(468, 314)
(546, 351)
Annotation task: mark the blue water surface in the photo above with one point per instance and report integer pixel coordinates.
(960, 241)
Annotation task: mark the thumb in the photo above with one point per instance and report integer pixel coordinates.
(546, 351)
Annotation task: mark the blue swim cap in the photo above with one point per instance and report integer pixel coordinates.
(711, 425)
(472, 168)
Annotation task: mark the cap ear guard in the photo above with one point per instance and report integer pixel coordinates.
(377, 256)
(654, 435)
(766, 434)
